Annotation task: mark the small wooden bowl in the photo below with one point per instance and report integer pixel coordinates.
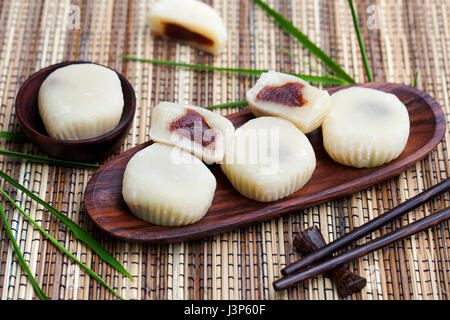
(92, 149)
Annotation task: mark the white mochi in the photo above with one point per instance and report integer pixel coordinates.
(365, 127)
(167, 186)
(80, 101)
(307, 117)
(194, 17)
(268, 159)
(221, 129)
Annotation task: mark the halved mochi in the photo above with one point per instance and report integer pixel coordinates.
(80, 101)
(194, 129)
(167, 186)
(268, 159)
(190, 21)
(365, 127)
(291, 98)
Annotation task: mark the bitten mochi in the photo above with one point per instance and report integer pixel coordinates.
(365, 127)
(268, 159)
(189, 21)
(167, 186)
(286, 96)
(80, 101)
(197, 130)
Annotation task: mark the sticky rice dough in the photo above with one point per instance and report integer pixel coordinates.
(197, 130)
(80, 101)
(167, 186)
(365, 127)
(190, 21)
(291, 98)
(268, 159)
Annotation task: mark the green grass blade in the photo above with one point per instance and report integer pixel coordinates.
(46, 160)
(13, 136)
(78, 232)
(20, 257)
(242, 103)
(193, 66)
(416, 78)
(297, 58)
(255, 72)
(327, 80)
(361, 43)
(287, 26)
(58, 245)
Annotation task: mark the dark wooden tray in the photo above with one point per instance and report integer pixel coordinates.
(229, 210)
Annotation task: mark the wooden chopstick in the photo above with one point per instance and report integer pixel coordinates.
(364, 249)
(366, 228)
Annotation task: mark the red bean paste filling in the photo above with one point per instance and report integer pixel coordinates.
(178, 32)
(189, 123)
(289, 94)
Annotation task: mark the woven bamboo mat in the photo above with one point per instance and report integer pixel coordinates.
(401, 37)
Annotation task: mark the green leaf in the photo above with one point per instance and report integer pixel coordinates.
(416, 78)
(328, 80)
(78, 232)
(20, 257)
(287, 26)
(242, 103)
(255, 72)
(296, 57)
(46, 160)
(58, 245)
(13, 136)
(361, 43)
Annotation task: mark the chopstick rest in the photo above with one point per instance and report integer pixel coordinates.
(347, 282)
(410, 229)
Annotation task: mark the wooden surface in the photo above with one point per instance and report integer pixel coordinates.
(401, 37)
(229, 210)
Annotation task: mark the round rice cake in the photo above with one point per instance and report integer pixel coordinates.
(167, 186)
(268, 159)
(190, 21)
(286, 96)
(80, 101)
(365, 127)
(197, 130)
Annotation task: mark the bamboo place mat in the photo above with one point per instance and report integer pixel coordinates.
(404, 37)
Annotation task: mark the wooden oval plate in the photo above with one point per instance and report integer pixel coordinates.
(230, 210)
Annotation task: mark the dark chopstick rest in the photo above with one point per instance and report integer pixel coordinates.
(347, 282)
(364, 249)
(367, 228)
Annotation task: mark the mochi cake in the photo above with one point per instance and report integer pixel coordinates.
(197, 130)
(268, 159)
(365, 127)
(189, 21)
(286, 96)
(80, 101)
(167, 186)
